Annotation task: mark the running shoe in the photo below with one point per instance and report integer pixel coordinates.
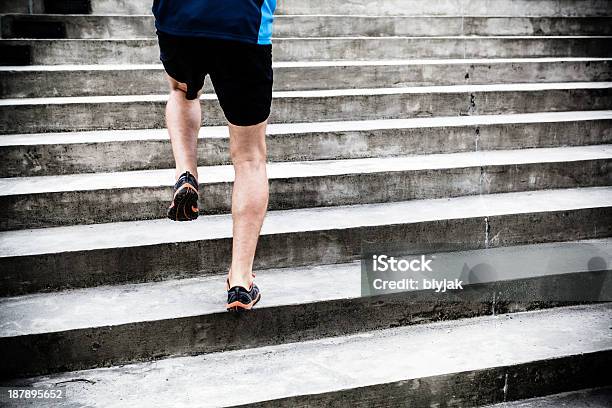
(239, 298)
(184, 206)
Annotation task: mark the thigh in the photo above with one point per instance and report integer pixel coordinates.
(242, 76)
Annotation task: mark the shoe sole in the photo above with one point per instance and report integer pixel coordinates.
(239, 306)
(185, 206)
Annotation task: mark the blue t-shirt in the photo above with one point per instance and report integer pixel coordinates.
(242, 20)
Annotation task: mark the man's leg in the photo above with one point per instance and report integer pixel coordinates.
(249, 198)
(183, 119)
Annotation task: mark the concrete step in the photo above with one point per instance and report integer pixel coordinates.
(92, 255)
(442, 7)
(589, 398)
(90, 80)
(471, 362)
(89, 328)
(146, 51)
(143, 26)
(544, 8)
(126, 150)
(46, 201)
(60, 114)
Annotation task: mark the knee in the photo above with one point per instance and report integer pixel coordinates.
(248, 145)
(252, 156)
(248, 154)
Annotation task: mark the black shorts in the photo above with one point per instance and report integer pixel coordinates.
(241, 73)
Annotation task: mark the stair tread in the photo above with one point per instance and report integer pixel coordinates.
(344, 37)
(362, 7)
(113, 305)
(289, 16)
(520, 87)
(209, 132)
(297, 64)
(419, 37)
(347, 362)
(151, 232)
(301, 169)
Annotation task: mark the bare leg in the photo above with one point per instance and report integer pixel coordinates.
(183, 119)
(249, 198)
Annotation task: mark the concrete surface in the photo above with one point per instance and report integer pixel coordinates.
(353, 7)
(115, 305)
(159, 249)
(513, 349)
(92, 347)
(146, 111)
(366, 75)
(44, 201)
(439, 7)
(117, 324)
(306, 169)
(418, 90)
(130, 79)
(146, 51)
(142, 26)
(108, 151)
(302, 129)
(26, 242)
(125, 150)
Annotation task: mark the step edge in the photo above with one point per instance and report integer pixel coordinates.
(298, 128)
(322, 274)
(166, 232)
(295, 170)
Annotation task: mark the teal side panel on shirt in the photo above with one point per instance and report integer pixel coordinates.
(267, 20)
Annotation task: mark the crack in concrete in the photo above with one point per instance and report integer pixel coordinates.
(487, 231)
(472, 105)
(484, 182)
(76, 380)
(506, 387)
(493, 304)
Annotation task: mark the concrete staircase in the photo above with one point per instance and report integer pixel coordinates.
(479, 127)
